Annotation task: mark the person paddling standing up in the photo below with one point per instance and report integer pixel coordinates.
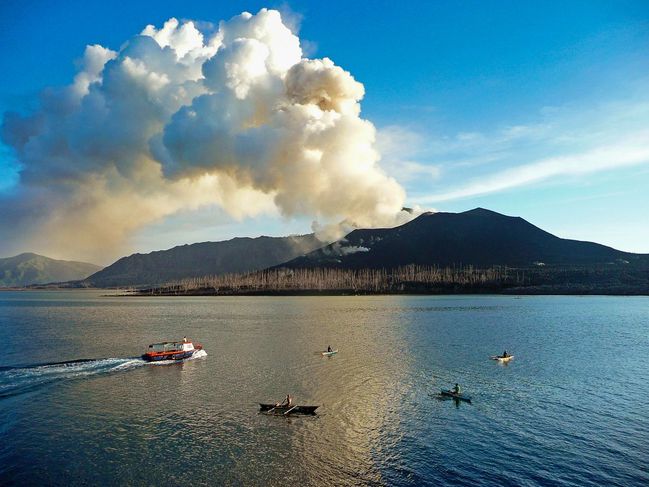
(288, 402)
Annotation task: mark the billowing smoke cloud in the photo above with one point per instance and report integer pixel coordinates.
(176, 120)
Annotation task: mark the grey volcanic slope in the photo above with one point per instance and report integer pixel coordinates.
(28, 268)
(478, 237)
(201, 259)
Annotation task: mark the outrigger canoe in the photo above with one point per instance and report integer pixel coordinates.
(329, 354)
(286, 410)
(451, 394)
(500, 358)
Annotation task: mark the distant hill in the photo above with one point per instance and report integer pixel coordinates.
(201, 259)
(28, 268)
(478, 237)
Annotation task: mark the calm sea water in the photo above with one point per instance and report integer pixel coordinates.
(571, 409)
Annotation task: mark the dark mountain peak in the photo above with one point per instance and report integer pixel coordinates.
(478, 237)
(482, 212)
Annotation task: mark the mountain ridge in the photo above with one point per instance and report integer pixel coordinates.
(29, 268)
(239, 254)
(477, 237)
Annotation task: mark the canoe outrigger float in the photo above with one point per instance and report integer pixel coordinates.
(286, 410)
(453, 395)
(171, 350)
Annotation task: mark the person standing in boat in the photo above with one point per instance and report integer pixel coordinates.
(329, 349)
(288, 402)
(456, 390)
(185, 339)
(505, 354)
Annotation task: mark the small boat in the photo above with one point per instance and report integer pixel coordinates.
(329, 354)
(453, 395)
(171, 351)
(500, 358)
(285, 410)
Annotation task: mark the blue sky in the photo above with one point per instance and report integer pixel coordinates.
(536, 109)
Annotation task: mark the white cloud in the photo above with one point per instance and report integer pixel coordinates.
(603, 158)
(179, 120)
(564, 142)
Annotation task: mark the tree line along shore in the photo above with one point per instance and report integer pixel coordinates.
(415, 279)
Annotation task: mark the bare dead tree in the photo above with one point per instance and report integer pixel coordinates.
(338, 280)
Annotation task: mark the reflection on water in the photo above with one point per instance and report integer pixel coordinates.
(549, 416)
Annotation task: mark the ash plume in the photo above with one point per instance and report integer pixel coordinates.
(178, 120)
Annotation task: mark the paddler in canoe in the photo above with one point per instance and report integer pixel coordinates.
(505, 357)
(288, 402)
(455, 393)
(329, 350)
(286, 407)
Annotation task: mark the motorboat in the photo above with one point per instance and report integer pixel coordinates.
(180, 350)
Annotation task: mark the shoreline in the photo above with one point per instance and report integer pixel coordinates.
(311, 292)
(410, 280)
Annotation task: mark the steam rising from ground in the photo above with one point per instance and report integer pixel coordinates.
(177, 120)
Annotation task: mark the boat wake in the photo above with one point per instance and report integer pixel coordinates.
(18, 380)
(198, 354)
(22, 379)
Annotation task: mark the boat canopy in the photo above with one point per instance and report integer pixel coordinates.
(171, 347)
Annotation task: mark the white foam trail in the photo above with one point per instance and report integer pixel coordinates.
(16, 380)
(199, 354)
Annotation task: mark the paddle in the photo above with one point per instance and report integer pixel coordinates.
(290, 410)
(273, 409)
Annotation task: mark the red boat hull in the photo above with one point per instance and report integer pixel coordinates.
(171, 355)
